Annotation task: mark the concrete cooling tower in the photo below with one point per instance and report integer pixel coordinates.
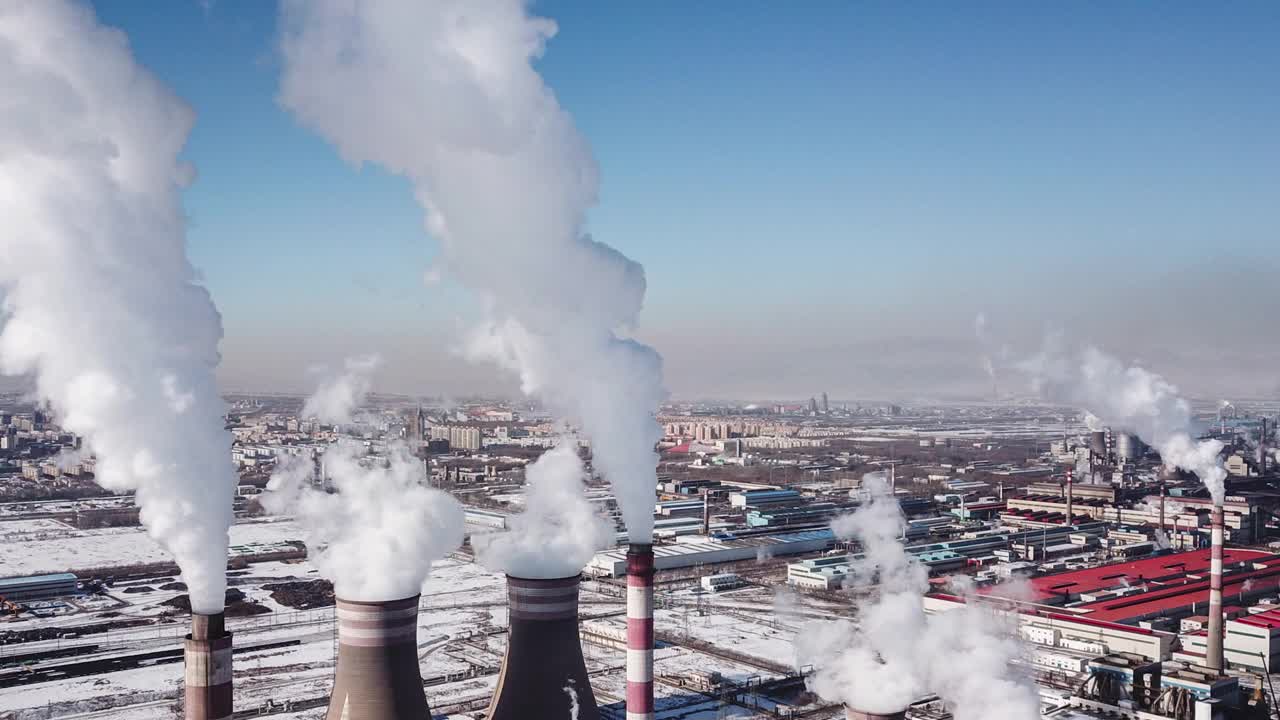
(207, 655)
(543, 676)
(851, 714)
(377, 676)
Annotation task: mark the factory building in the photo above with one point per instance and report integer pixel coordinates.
(1243, 519)
(613, 563)
(1250, 642)
(37, 587)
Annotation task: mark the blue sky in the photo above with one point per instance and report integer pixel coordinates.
(824, 194)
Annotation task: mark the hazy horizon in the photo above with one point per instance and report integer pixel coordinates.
(822, 202)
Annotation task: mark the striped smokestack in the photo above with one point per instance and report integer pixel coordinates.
(851, 714)
(640, 631)
(1070, 513)
(1213, 655)
(208, 669)
(543, 673)
(377, 676)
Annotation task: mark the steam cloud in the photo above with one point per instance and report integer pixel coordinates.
(445, 94)
(100, 303)
(559, 530)
(340, 394)
(376, 537)
(896, 654)
(1131, 399)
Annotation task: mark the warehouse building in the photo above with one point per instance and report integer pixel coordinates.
(613, 563)
(37, 587)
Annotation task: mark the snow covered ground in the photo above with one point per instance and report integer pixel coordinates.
(461, 631)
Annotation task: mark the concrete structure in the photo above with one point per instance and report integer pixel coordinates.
(1213, 655)
(377, 676)
(851, 714)
(207, 656)
(543, 676)
(640, 570)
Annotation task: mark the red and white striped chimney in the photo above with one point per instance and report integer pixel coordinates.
(640, 631)
(1213, 655)
(207, 655)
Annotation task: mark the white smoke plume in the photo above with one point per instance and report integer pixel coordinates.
(100, 302)
(984, 340)
(377, 535)
(559, 530)
(445, 93)
(1133, 399)
(896, 653)
(339, 394)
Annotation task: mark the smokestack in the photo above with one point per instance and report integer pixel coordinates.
(851, 714)
(640, 631)
(543, 674)
(377, 676)
(1213, 656)
(1262, 448)
(706, 513)
(1070, 516)
(208, 668)
(1163, 492)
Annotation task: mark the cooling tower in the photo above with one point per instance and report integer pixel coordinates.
(1098, 445)
(377, 676)
(852, 714)
(1129, 447)
(543, 675)
(1213, 655)
(640, 632)
(208, 668)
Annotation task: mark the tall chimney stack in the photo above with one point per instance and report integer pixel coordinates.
(851, 714)
(1213, 655)
(1262, 448)
(208, 668)
(706, 512)
(1163, 492)
(1070, 514)
(640, 631)
(543, 673)
(377, 677)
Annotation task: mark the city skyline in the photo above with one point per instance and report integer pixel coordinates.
(1117, 171)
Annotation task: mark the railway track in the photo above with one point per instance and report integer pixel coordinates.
(16, 677)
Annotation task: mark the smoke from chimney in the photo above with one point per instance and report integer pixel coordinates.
(377, 535)
(896, 653)
(445, 94)
(100, 302)
(339, 394)
(559, 530)
(1131, 399)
